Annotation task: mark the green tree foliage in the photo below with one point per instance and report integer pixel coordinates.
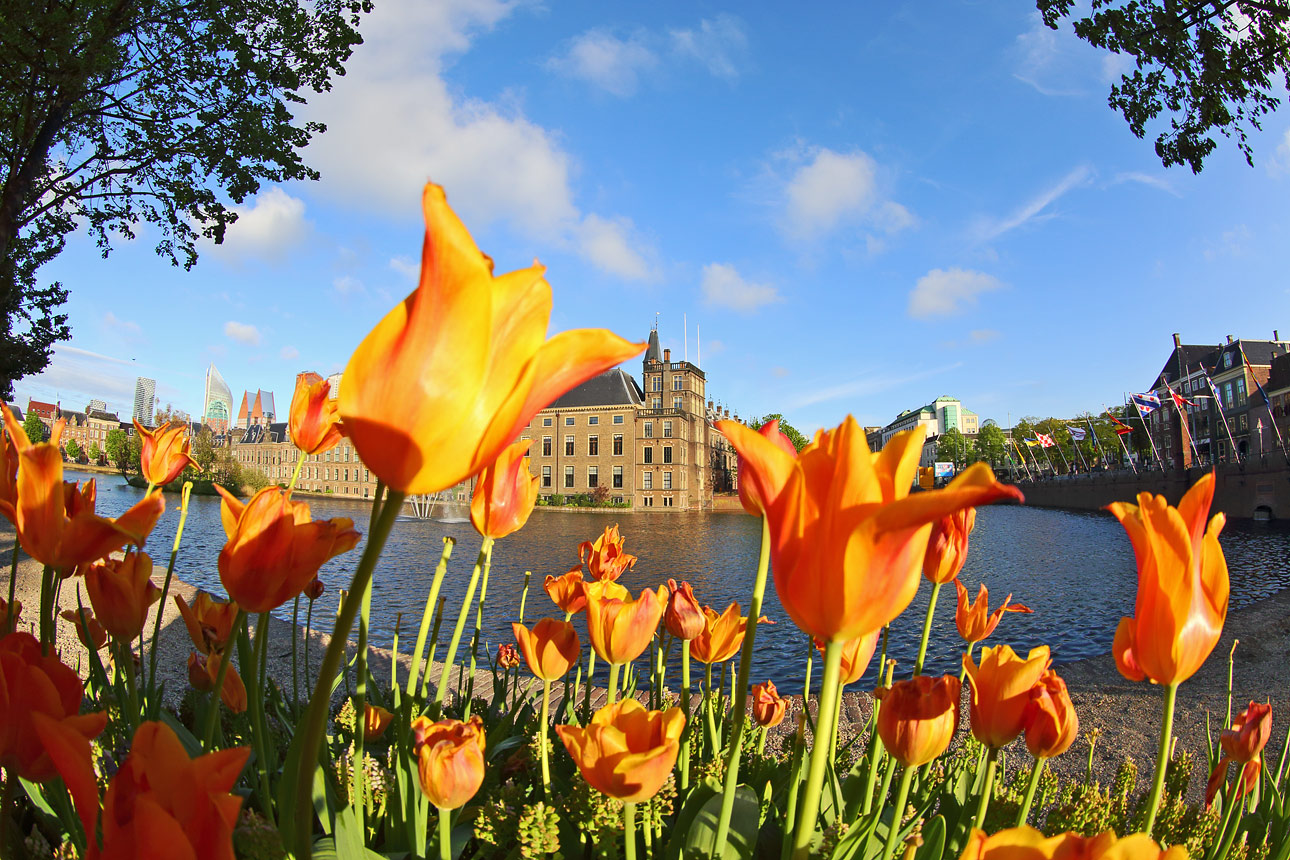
(118, 448)
(953, 447)
(135, 454)
(73, 450)
(92, 451)
(170, 413)
(34, 428)
(799, 441)
(1211, 68)
(165, 112)
(992, 445)
(202, 449)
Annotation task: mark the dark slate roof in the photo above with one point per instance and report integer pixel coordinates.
(103, 416)
(611, 388)
(254, 435)
(1259, 352)
(17, 413)
(75, 419)
(653, 353)
(278, 430)
(1280, 374)
(1193, 355)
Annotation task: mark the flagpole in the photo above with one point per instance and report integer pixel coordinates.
(1045, 450)
(1097, 445)
(1190, 428)
(1075, 445)
(1266, 402)
(1065, 465)
(1123, 446)
(1219, 400)
(1024, 464)
(1182, 417)
(1143, 419)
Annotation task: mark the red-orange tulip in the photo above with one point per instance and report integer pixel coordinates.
(55, 520)
(375, 721)
(550, 650)
(768, 706)
(1182, 586)
(856, 654)
(758, 487)
(505, 493)
(315, 424)
(453, 374)
(450, 759)
(626, 751)
(621, 628)
(948, 545)
(203, 671)
(42, 731)
(847, 537)
(1243, 745)
(507, 656)
(274, 549)
(1001, 689)
(566, 590)
(722, 635)
(683, 617)
(975, 620)
(605, 558)
(315, 589)
(91, 633)
(209, 621)
(918, 717)
(1027, 843)
(1051, 721)
(165, 453)
(121, 592)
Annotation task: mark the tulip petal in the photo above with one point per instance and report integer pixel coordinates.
(1122, 650)
(769, 465)
(67, 743)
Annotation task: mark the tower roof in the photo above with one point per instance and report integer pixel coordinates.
(653, 353)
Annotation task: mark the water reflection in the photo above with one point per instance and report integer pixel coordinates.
(1075, 570)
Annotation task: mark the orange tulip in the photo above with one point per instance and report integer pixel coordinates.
(203, 672)
(918, 717)
(121, 592)
(8, 473)
(722, 636)
(165, 453)
(683, 617)
(1243, 745)
(847, 537)
(975, 620)
(856, 654)
(566, 590)
(507, 656)
(626, 751)
(375, 721)
(42, 731)
(621, 628)
(315, 424)
(551, 649)
(162, 803)
(450, 759)
(91, 633)
(768, 706)
(604, 558)
(948, 545)
(55, 520)
(759, 487)
(453, 374)
(1027, 843)
(209, 621)
(504, 493)
(9, 623)
(1050, 719)
(274, 549)
(1182, 586)
(1001, 691)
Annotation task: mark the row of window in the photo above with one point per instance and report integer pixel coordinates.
(678, 383)
(648, 501)
(570, 420)
(593, 478)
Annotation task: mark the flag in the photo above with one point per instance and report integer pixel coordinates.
(1097, 445)
(1250, 367)
(1077, 433)
(1146, 403)
(1212, 388)
(1045, 441)
(1121, 429)
(1030, 443)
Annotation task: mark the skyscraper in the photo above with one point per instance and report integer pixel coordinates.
(145, 393)
(217, 402)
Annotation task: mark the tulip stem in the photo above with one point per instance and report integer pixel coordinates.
(445, 834)
(819, 752)
(295, 672)
(125, 664)
(591, 674)
(295, 475)
(991, 767)
(629, 829)
(1162, 758)
(613, 683)
(212, 711)
(46, 610)
(485, 550)
(358, 774)
(165, 591)
(524, 593)
(309, 620)
(740, 693)
(315, 722)
(13, 584)
(927, 629)
(1032, 784)
(686, 695)
(714, 740)
(414, 676)
(542, 740)
(898, 812)
(479, 629)
(256, 701)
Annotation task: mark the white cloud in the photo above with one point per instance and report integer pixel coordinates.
(120, 326)
(991, 228)
(1232, 243)
(828, 189)
(77, 376)
(289, 352)
(942, 292)
(406, 267)
(719, 43)
(1147, 179)
(267, 229)
(604, 60)
(348, 285)
(725, 287)
(606, 244)
(242, 333)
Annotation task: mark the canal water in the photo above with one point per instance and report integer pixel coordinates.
(1075, 570)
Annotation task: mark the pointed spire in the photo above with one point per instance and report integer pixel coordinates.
(653, 353)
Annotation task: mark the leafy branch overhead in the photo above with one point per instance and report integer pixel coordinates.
(1210, 68)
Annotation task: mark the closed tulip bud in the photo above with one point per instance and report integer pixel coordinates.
(1001, 688)
(1183, 586)
(314, 589)
(91, 633)
(566, 591)
(315, 424)
(948, 545)
(9, 612)
(1243, 745)
(605, 558)
(505, 493)
(918, 717)
(1051, 721)
(209, 621)
(203, 671)
(375, 721)
(164, 454)
(550, 649)
(856, 654)
(683, 617)
(761, 484)
(626, 752)
(722, 635)
(975, 621)
(507, 656)
(621, 628)
(768, 706)
(450, 759)
(1027, 842)
(121, 592)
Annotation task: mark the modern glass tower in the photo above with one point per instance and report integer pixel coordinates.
(218, 401)
(145, 392)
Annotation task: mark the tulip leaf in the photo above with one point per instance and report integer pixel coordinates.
(933, 847)
(690, 808)
(192, 746)
(701, 836)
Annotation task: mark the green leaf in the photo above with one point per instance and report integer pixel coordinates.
(933, 847)
(690, 808)
(192, 746)
(701, 836)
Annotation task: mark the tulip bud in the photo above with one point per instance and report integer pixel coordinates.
(314, 589)
(947, 545)
(760, 484)
(856, 654)
(918, 717)
(203, 670)
(450, 759)
(566, 590)
(209, 621)
(1242, 744)
(505, 493)
(91, 633)
(722, 635)
(768, 706)
(683, 617)
(1028, 842)
(5, 616)
(1051, 721)
(605, 558)
(164, 454)
(550, 650)
(121, 592)
(314, 423)
(507, 656)
(1001, 688)
(621, 628)
(375, 721)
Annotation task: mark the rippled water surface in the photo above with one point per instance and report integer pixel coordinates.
(1075, 570)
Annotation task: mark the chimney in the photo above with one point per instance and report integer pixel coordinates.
(667, 355)
(1275, 335)
(1229, 338)
(1177, 341)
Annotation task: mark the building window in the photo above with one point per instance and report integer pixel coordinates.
(676, 403)
(546, 446)
(568, 421)
(593, 477)
(667, 453)
(568, 446)
(568, 477)
(593, 419)
(593, 446)
(677, 382)
(546, 477)
(649, 429)
(1227, 359)
(618, 419)
(656, 384)
(667, 429)
(618, 444)
(667, 501)
(647, 481)
(647, 502)
(618, 477)
(1240, 392)
(657, 403)
(1227, 394)
(649, 455)
(546, 422)
(667, 480)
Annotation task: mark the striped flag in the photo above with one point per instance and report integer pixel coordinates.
(1146, 403)
(1045, 441)
(1077, 433)
(1254, 379)
(1121, 429)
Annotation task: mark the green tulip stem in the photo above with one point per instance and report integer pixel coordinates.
(591, 674)
(686, 695)
(434, 645)
(629, 829)
(1162, 758)
(809, 813)
(295, 475)
(709, 710)
(295, 669)
(165, 590)
(524, 593)
(445, 834)
(614, 669)
(991, 768)
(358, 777)
(927, 629)
(212, 711)
(479, 630)
(255, 702)
(1033, 783)
(450, 658)
(898, 812)
(414, 675)
(13, 585)
(545, 731)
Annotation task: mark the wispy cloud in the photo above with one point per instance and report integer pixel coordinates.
(242, 332)
(719, 43)
(868, 384)
(992, 228)
(723, 286)
(606, 60)
(1156, 182)
(944, 292)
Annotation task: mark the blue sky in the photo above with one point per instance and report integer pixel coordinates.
(859, 209)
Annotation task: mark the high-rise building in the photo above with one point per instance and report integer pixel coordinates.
(257, 410)
(145, 398)
(217, 403)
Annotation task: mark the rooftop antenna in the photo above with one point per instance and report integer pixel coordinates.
(685, 332)
(655, 320)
